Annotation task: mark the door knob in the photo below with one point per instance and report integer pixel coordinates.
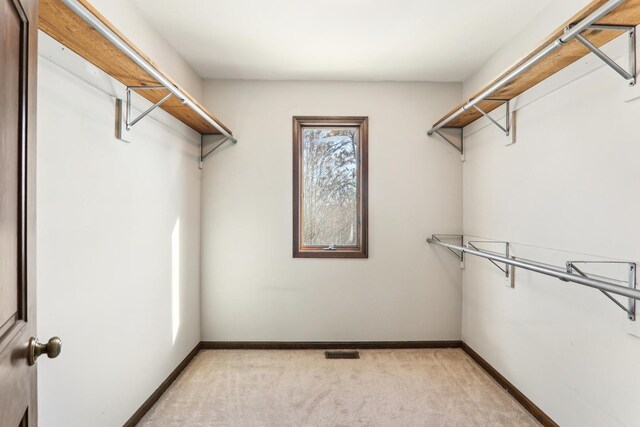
(52, 348)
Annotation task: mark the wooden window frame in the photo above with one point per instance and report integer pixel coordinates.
(362, 123)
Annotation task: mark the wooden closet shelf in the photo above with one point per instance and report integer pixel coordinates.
(627, 14)
(64, 25)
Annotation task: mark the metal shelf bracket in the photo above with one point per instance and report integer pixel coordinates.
(507, 126)
(506, 269)
(630, 75)
(460, 237)
(123, 115)
(459, 136)
(630, 309)
(127, 121)
(220, 140)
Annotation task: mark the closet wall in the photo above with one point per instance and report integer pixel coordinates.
(118, 236)
(252, 288)
(565, 191)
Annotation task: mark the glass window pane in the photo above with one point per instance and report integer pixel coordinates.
(330, 187)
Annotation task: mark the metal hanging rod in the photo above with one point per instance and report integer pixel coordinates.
(567, 36)
(629, 292)
(107, 33)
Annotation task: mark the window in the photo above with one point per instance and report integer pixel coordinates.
(330, 187)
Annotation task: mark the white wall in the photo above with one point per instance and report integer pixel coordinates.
(252, 288)
(118, 242)
(565, 191)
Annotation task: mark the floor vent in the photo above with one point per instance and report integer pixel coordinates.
(342, 355)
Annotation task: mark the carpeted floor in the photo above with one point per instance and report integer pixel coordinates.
(441, 387)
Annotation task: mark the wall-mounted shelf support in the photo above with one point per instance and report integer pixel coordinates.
(124, 115)
(630, 309)
(507, 126)
(631, 291)
(629, 76)
(505, 270)
(458, 253)
(459, 136)
(128, 122)
(217, 144)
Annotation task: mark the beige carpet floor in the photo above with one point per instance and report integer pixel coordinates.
(442, 387)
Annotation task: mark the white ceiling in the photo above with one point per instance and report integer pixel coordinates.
(412, 40)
